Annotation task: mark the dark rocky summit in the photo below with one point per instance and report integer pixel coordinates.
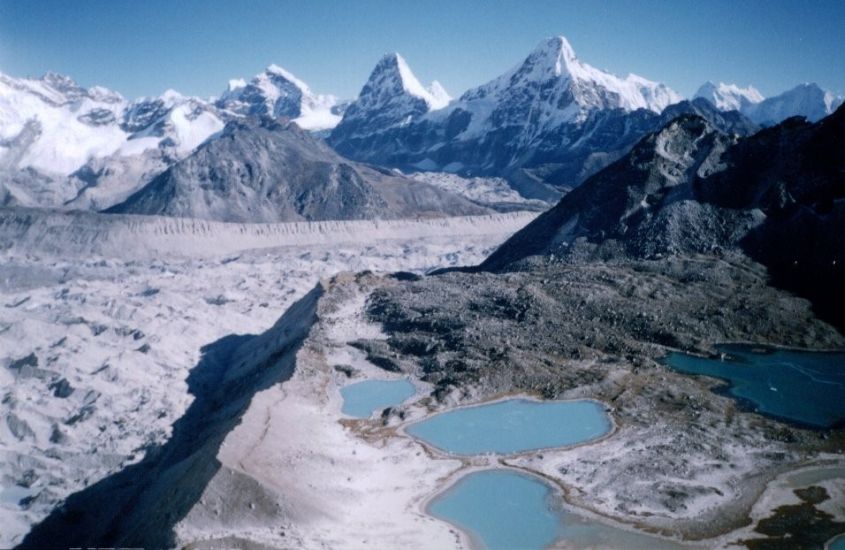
(688, 188)
(272, 171)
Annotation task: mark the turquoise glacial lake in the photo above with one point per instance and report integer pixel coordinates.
(802, 387)
(513, 426)
(362, 399)
(502, 509)
(838, 543)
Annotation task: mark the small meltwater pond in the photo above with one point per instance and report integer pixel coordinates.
(502, 509)
(513, 426)
(499, 509)
(362, 399)
(803, 387)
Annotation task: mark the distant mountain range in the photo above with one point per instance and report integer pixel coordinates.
(535, 111)
(545, 126)
(806, 100)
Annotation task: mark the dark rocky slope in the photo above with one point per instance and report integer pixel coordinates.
(688, 188)
(272, 171)
(553, 162)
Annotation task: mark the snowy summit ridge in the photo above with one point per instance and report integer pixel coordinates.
(555, 80)
(276, 92)
(54, 126)
(807, 100)
(729, 97)
(392, 97)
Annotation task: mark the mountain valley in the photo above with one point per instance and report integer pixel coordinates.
(190, 287)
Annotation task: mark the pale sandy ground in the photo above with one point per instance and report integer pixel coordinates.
(338, 490)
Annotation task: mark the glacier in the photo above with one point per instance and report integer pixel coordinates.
(115, 310)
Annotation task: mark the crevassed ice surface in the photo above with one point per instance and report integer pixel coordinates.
(362, 399)
(803, 387)
(513, 426)
(507, 510)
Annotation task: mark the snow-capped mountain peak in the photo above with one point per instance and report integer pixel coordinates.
(729, 97)
(51, 127)
(64, 86)
(808, 93)
(553, 75)
(235, 84)
(392, 97)
(274, 70)
(541, 104)
(554, 56)
(392, 76)
(171, 97)
(553, 87)
(56, 90)
(273, 92)
(276, 92)
(807, 100)
(101, 93)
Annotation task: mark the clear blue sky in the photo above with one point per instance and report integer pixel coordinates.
(144, 47)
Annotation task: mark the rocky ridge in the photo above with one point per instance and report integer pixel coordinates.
(688, 188)
(272, 171)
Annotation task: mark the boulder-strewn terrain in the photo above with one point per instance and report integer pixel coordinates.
(673, 247)
(515, 330)
(684, 459)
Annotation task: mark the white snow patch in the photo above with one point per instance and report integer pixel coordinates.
(437, 98)
(439, 95)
